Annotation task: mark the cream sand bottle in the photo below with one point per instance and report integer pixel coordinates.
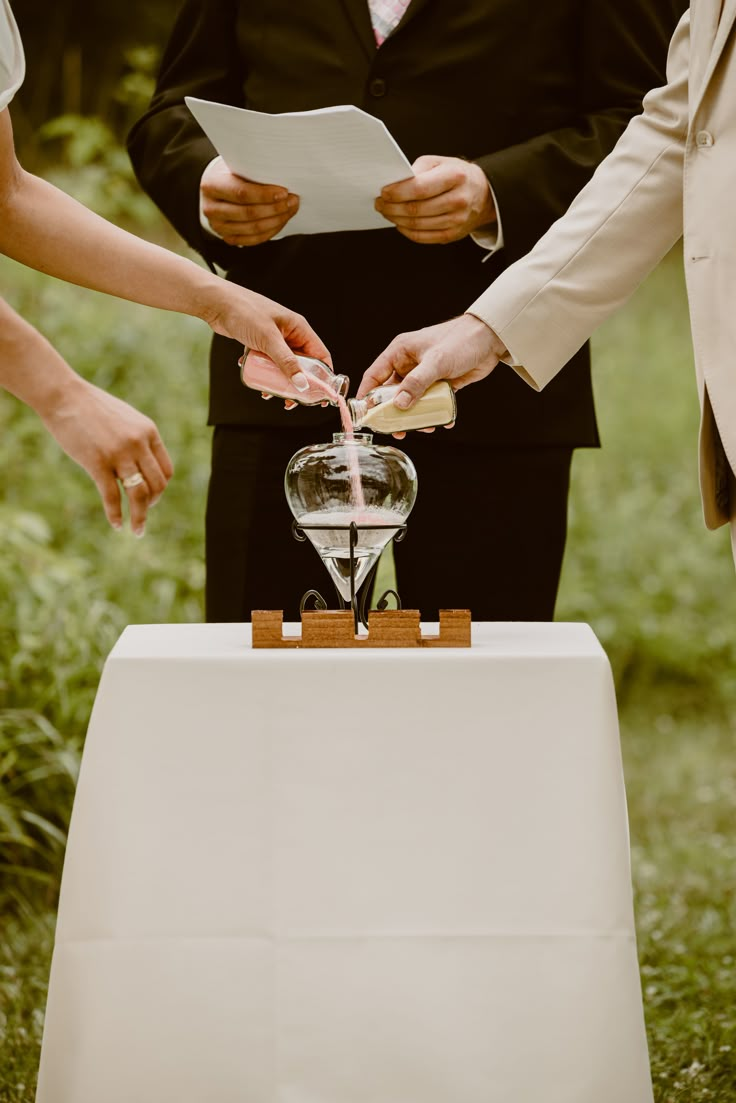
(376, 410)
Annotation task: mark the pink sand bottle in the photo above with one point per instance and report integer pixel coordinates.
(260, 373)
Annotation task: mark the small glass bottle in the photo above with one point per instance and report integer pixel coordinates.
(376, 410)
(260, 373)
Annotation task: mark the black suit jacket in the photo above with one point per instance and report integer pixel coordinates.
(536, 91)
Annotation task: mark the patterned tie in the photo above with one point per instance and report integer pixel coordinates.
(385, 16)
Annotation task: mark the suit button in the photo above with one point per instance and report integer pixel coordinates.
(377, 87)
(703, 139)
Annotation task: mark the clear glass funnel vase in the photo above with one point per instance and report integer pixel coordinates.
(329, 486)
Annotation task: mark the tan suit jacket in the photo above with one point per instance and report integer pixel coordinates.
(672, 174)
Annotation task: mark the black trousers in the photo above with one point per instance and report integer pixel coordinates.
(487, 532)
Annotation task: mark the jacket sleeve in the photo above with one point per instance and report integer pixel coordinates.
(168, 150)
(624, 221)
(621, 49)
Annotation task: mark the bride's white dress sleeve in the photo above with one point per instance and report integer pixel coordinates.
(12, 60)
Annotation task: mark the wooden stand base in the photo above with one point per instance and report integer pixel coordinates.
(335, 628)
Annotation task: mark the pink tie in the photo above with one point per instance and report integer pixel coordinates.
(385, 16)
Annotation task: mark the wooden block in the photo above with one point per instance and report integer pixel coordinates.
(455, 630)
(328, 628)
(268, 629)
(394, 628)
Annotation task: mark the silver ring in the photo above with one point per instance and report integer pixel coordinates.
(133, 480)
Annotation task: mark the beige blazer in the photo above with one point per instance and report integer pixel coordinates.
(672, 175)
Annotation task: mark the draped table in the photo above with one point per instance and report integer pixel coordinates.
(394, 876)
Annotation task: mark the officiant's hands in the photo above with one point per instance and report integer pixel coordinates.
(444, 201)
(241, 212)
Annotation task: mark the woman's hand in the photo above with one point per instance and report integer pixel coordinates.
(259, 323)
(112, 441)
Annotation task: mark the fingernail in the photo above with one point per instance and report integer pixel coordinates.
(292, 202)
(300, 381)
(117, 525)
(403, 400)
(278, 196)
(140, 532)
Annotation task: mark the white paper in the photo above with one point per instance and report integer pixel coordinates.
(336, 159)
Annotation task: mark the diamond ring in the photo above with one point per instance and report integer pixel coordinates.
(133, 480)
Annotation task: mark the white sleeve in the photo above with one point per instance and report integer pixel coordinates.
(491, 239)
(203, 220)
(12, 60)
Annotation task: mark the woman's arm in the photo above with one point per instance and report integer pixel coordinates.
(42, 227)
(107, 437)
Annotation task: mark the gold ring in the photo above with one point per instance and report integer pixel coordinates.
(133, 480)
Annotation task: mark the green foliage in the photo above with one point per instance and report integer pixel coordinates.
(38, 772)
(69, 583)
(681, 782)
(83, 155)
(25, 950)
(640, 567)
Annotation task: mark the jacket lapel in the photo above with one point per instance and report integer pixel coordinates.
(414, 7)
(724, 29)
(360, 17)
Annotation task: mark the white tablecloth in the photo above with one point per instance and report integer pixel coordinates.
(348, 877)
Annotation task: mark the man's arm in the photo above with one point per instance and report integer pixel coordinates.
(622, 50)
(546, 306)
(540, 311)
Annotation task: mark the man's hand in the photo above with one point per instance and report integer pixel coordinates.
(462, 351)
(445, 201)
(241, 212)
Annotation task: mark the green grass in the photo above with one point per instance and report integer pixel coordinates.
(657, 588)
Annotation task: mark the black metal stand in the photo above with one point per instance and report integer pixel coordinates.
(359, 608)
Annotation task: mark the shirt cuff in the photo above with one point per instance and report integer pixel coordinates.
(507, 357)
(203, 220)
(491, 239)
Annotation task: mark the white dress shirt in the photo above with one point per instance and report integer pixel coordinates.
(12, 61)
